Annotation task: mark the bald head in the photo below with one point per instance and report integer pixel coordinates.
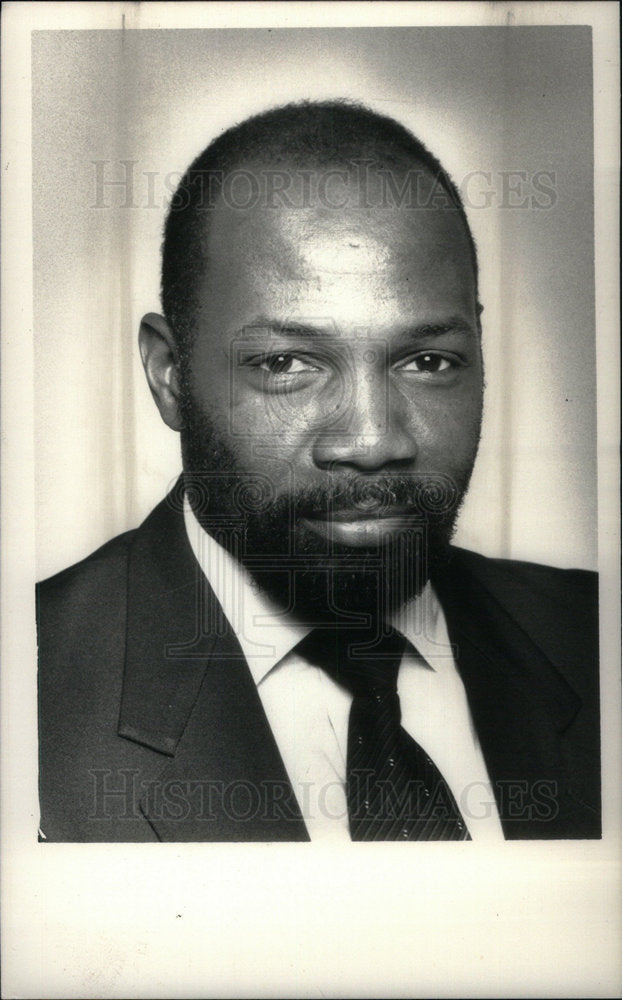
(315, 157)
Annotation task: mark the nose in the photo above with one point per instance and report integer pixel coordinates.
(373, 431)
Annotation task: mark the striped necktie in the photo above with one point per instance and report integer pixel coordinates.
(394, 790)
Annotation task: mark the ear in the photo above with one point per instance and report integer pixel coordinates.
(158, 350)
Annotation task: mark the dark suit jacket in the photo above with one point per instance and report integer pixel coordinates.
(151, 727)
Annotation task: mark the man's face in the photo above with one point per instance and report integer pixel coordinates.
(332, 402)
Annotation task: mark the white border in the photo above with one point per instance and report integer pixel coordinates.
(177, 921)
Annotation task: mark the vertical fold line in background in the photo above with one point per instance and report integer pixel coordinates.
(126, 425)
(507, 313)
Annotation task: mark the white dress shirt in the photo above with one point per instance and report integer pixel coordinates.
(308, 711)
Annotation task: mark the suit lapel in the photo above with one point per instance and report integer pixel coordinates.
(216, 773)
(520, 704)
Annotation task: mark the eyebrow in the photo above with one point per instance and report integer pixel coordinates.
(272, 327)
(275, 328)
(454, 324)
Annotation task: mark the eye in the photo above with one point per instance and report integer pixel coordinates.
(428, 363)
(285, 364)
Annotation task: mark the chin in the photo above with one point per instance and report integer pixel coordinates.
(316, 585)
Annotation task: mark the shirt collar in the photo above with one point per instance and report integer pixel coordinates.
(267, 634)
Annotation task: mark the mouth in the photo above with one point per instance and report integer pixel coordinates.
(353, 526)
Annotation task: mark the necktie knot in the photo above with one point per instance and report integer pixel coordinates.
(365, 661)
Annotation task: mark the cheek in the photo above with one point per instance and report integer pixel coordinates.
(272, 422)
(447, 426)
(289, 419)
(269, 446)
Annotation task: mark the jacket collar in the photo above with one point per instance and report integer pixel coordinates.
(184, 674)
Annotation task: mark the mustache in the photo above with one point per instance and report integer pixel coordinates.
(251, 494)
(379, 496)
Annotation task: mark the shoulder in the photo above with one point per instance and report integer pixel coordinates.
(86, 605)
(81, 624)
(87, 581)
(530, 581)
(557, 608)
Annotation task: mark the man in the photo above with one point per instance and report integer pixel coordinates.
(289, 647)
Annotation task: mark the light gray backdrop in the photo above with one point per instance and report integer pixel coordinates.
(507, 110)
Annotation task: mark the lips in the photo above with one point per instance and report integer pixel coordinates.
(350, 514)
(356, 527)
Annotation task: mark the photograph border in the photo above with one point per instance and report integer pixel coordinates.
(119, 920)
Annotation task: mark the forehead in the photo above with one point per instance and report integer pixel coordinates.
(345, 255)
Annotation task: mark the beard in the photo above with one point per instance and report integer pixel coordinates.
(315, 578)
